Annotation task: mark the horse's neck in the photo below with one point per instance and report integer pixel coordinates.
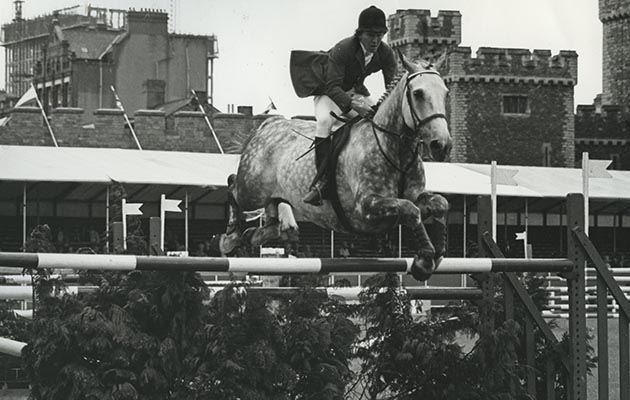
(389, 114)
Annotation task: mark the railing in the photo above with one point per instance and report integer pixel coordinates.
(606, 284)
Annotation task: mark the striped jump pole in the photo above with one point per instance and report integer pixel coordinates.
(276, 266)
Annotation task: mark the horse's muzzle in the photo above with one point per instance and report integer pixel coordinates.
(440, 150)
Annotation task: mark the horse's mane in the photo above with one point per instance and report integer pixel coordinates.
(388, 90)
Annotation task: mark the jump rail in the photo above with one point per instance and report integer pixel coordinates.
(276, 266)
(11, 347)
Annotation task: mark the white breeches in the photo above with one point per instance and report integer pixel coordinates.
(326, 123)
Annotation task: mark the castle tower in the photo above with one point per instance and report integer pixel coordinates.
(417, 35)
(615, 18)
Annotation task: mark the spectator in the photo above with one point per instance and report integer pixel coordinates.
(289, 251)
(200, 251)
(207, 248)
(344, 250)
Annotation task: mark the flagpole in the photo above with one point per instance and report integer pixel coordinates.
(186, 221)
(41, 108)
(120, 106)
(107, 220)
(465, 239)
(526, 228)
(124, 224)
(205, 116)
(162, 215)
(493, 198)
(585, 189)
(23, 217)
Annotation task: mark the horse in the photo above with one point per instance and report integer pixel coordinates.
(379, 173)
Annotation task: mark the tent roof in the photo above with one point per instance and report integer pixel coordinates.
(98, 165)
(79, 174)
(474, 179)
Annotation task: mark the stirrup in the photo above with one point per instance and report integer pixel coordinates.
(314, 196)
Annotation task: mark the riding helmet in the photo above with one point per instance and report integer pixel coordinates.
(372, 19)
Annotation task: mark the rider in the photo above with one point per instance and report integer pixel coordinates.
(335, 79)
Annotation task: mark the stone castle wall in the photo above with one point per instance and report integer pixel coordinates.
(184, 131)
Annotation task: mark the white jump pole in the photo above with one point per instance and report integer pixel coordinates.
(11, 347)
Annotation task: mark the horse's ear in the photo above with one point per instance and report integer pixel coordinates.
(409, 66)
(440, 63)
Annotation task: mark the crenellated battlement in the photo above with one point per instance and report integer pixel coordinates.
(610, 10)
(417, 26)
(493, 64)
(596, 122)
(183, 131)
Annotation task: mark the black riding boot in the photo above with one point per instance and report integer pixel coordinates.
(322, 152)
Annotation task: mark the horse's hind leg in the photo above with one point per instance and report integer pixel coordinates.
(288, 226)
(279, 224)
(231, 240)
(269, 231)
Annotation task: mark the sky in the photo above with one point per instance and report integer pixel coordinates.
(256, 37)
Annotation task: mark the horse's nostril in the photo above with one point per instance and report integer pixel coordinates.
(435, 146)
(438, 151)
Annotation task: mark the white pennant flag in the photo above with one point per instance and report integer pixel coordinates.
(31, 94)
(597, 168)
(132, 209)
(170, 205)
(521, 235)
(506, 176)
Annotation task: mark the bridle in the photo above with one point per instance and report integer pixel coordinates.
(418, 123)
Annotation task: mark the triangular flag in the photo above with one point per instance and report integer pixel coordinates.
(521, 235)
(31, 94)
(132, 208)
(170, 205)
(270, 107)
(597, 168)
(506, 176)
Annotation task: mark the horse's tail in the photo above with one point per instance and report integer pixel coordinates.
(231, 241)
(239, 139)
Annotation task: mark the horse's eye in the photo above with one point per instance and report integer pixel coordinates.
(418, 93)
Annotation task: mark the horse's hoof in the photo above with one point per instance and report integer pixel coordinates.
(264, 234)
(228, 243)
(422, 268)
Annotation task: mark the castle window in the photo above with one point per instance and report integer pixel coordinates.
(515, 104)
(546, 154)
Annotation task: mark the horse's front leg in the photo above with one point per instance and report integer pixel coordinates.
(433, 208)
(388, 211)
